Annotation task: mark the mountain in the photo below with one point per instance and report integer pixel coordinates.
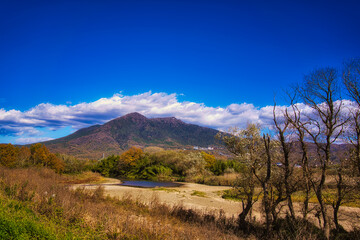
(132, 129)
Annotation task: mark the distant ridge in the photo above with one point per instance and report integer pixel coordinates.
(132, 129)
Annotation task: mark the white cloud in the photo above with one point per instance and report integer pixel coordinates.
(30, 140)
(149, 104)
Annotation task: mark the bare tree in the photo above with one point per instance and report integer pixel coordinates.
(351, 79)
(277, 191)
(345, 186)
(320, 92)
(286, 145)
(258, 154)
(294, 117)
(264, 180)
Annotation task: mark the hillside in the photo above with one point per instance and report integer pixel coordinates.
(132, 129)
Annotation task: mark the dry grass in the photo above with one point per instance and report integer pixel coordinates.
(165, 189)
(85, 177)
(107, 218)
(88, 214)
(329, 198)
(228, 179)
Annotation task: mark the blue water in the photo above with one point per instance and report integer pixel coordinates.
(149, 184)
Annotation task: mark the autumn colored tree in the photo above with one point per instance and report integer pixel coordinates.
(24, 156)
(128, 159)
(40, 155)
(209, 159)
(8, 155)
(130, 156)
(55, 163)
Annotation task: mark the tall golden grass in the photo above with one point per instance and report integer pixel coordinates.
(88, 214)
(42, 190)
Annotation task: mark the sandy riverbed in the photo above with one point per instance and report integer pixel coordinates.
(210, 201)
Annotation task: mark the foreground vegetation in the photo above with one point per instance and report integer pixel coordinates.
(37, 203)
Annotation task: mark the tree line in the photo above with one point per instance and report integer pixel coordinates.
(39, 155)
(35, 155)
(165, 165)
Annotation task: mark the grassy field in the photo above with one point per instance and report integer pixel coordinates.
(36, 204)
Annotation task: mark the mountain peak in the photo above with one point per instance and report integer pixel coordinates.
(169, 120)
(133, 129)
(134, 115)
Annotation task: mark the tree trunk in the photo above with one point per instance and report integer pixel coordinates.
(265, 183)
(357, 153)
(243, 224)
(267, 207)
(306, 172)
(336, 205)
(336, 220)
(306, 203)
(287, 189)
(319, 194)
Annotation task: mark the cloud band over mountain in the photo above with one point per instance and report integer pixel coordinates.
(28, 125)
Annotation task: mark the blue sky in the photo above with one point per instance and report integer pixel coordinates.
(58, 59)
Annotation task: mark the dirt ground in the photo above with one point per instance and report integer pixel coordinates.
(207, 198)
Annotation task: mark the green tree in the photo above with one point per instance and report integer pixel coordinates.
(109, 167)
